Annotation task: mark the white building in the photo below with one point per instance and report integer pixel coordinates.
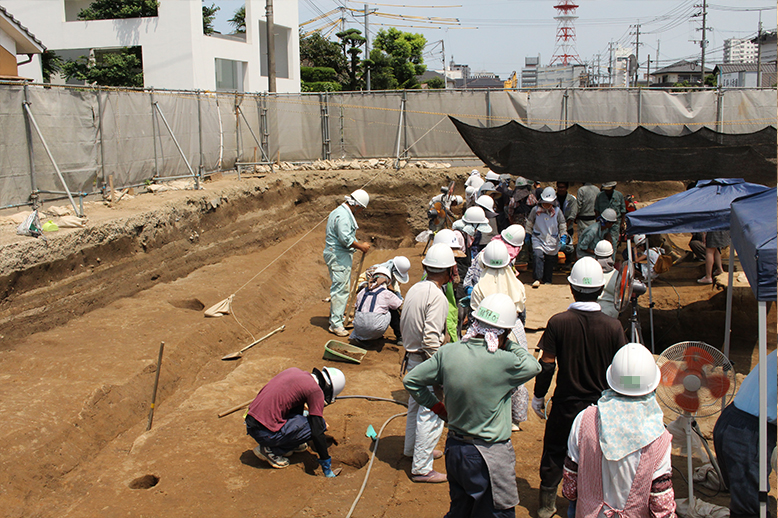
(739, 51)
(175, 52)
(561, 76)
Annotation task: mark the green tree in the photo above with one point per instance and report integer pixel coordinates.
(435, 82)
(711, 80)
(110, 9)
(319, 79)
(114, 68)
(238, 20)
(51, 64)
(209, 15)
(350, 41)
(401, 52)
(317, 51)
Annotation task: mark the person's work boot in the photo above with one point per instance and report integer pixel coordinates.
(277, 461)
(433, 477)
(339, 331)
(297, 449)
(547, 506)
(536, 283)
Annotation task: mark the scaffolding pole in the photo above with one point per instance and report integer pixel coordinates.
(400, 125)
(79, 213)
(30, 152)
(178, 146)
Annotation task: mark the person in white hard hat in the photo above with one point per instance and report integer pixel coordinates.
(476, 217)
(610, 198)
(339, 245)
(474, 180)
(618, 451)
(604, 254)
(277, 422)
(478, 447)
(587, 194)
(546, 224)
(398, 267)
(439, 209)
(374, 306)
(498, 277)
(593, 234)
(487, 202)
(582, 342)
(455, 241)
(423, 324)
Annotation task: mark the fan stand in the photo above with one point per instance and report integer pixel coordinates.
(636, 332)
(690, 468)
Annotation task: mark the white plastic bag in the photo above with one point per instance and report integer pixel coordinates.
(31, 226)
(678, 430)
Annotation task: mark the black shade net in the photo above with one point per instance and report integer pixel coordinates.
(580, 155)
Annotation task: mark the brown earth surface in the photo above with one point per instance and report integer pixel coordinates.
(82, 317)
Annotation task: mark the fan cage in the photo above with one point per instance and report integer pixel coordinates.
(716, 365)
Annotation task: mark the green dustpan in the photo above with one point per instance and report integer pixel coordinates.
(342, 352)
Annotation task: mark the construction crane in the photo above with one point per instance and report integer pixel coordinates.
(512, 81)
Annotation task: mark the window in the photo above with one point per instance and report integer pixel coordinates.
(229, 75)
(282, 36)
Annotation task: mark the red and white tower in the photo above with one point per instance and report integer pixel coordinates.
(564, 50)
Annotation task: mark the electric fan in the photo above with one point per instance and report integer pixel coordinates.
(697, 381)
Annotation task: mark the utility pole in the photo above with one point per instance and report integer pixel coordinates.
(598, 71)
(759, 53)
(610, 64)
(271, 47)
(637, 53)
(648, 71)
(703, 42)
(657, 56)
(367, 46)
(445, 65)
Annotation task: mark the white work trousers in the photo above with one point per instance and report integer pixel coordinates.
(422, 431)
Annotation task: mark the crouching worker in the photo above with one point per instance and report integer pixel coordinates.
(376, 307)
(478, 374)
(618, 453)
(278, 421)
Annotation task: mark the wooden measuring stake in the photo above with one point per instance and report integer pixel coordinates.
(353, 294)
(156, 383)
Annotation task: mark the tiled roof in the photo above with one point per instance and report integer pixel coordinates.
(4, 13)
(727, 68)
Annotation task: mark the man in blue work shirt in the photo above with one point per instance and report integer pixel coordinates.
(339, 246)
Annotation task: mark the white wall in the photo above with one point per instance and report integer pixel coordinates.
(176, 54)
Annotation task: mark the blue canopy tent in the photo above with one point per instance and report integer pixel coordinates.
(755, 237)
(703, 208)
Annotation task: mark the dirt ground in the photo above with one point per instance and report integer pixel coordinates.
(83, 315)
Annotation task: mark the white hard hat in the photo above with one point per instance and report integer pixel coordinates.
(514, 234)
(475, 216)
(401, 267)
(495, 255)
(609, 185)
(486, 203)
(586, 275)
(361, 197)
(475, 172)
(639, 239)
(548, 195)
(383, 270)
(497, 310)
(633, 371)
(492, 176)
(447, 237)
(439, 256)
(609, 215)
(335, 378)
(603, 249)
(485, 188)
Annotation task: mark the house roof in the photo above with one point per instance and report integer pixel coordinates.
(728, 68)
(481, 82)
(680, 67)
(26, 42)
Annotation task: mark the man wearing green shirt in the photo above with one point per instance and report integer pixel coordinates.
(478, 374)
(610, 198)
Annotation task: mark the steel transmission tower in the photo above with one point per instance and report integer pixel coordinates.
(564, 50)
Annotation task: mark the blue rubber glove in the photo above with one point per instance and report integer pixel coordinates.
(469, 290)
(565, 240)
(326, 466)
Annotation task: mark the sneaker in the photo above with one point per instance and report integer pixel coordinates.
(515, 427)
(705, 281)
(433, 477)
(276, 461)
(339, 331)
(298, 449)
(536, 284)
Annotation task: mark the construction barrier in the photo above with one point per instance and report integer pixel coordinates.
(58, 141)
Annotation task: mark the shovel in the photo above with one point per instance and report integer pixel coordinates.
(235, 356)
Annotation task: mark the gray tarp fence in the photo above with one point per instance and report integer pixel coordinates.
(94, 133)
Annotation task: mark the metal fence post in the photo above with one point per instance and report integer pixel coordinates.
(263, 125)
(154, 131)
(238, 143)
(102, 136)
(30, 150)
(325, 126)
(400, 127)
(201, 168)
(565, 98)
(405, 123)
(720, 111)
(640, 114)
(488, 109)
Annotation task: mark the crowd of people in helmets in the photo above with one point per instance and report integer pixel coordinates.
(466, 358)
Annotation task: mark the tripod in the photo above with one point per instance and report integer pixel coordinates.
(635, 332)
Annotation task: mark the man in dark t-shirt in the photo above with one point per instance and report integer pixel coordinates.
(278, 420)
(582, 342)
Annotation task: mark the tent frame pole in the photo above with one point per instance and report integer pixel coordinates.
(762, 369)
(728, 318)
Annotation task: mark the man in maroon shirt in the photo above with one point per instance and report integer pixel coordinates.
(278, 421)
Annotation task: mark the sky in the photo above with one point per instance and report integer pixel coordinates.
(497, 35)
